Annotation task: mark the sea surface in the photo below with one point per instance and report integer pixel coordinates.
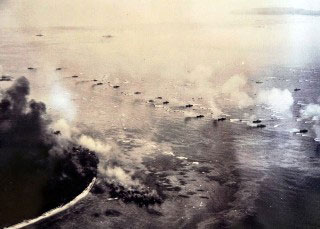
(215, 174)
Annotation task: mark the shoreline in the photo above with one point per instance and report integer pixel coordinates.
(55, 210)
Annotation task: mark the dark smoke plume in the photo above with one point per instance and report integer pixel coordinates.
(38, 171)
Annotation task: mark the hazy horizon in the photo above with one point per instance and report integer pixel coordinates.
(36, 13)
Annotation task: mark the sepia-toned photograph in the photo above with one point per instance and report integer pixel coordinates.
(160, 114)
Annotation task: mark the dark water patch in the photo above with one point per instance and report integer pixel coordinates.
(290, 198)
(221, 180)
(231, 184)
(112, 213)
(96, 215)
(191, 193)
(152, 211)
(249, 222)
(174, 189)
(162, 175)
(183, 196)
(222, 199)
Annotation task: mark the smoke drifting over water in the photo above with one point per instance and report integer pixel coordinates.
(107, 156)
(121, 79)
(278, 100)
(54, 160)
(236, 89)
(39, 170)
(312, 111)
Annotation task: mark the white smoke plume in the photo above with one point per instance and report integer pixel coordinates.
(118, 175)
(94, 145)
(53, 91)
(278, 100)
(60, 99)
(311, 111)
(65, 129)
(107, 153)
(236, 89)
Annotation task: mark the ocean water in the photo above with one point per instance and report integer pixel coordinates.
(215, 174)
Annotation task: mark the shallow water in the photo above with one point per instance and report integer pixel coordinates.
(214, 174)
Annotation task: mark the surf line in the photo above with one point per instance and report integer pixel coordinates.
(55, 210)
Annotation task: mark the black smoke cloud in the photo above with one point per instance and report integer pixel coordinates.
(22, 122)
(38, 171)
